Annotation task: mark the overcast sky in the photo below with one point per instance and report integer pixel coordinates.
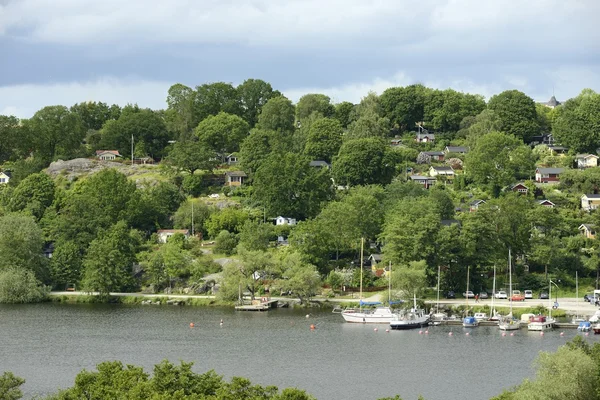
(131, 51)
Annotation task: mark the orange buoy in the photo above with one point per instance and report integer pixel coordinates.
(191, 324)
(312, 327)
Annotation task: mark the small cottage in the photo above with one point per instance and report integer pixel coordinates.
(425, 138)
(235, 178)
(587, 230)
(165, 234)
(474, 205)
(548, 175)
(231, 159)
(285, 221)
(586, 161)
(590, 202)
(426, 181)
(4, 177)
(456, 149)
(558, 150)
(319, 164)
(107, 155)
(546, 203)
(520, 188)
(447, 172)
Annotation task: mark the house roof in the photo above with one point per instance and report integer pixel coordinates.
(477, 202)
(115, 152)
(421, 178)
(425, 135)
(518, 184)
(236, 173)
(586, 156)
(457, 149)
(550, 170)
(558, 148)
(552, 102)
(587, 227)
(375, 257)
(442, 169)
(433, 153)
(182, 231)
(545, 201)
(318, 163)
(5, 173)
(592, 196)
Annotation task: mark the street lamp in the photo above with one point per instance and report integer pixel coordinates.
(550, 295)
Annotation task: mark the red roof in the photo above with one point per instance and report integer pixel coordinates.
(115, 152)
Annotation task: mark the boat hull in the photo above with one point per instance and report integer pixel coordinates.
(382, 315)
(405, 325)
(540, 326)
(507, 326)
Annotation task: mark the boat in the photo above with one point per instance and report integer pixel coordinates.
(469, 322)
(541, 322)
(596, 329)
(379, 315)
(414, 318)
(508, 322)
(577, 319)
(480, 316)
(438, 316)
(584, 326)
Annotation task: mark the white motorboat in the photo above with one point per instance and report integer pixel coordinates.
(379, 315)
(540, 323)
(415, 318)
(480, 316)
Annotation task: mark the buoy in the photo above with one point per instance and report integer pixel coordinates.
(467, 334)
(503, 334)
(375, 330)
(307, 315)
(420, 332)
(221, 323)
(541, 333)
(512, 334)
(449, 333)
(387, 330)
(427, 332)
(587, 334)
(562, 334)
(191, 324)
(312, 327)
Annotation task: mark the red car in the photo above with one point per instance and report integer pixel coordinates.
(517, 296)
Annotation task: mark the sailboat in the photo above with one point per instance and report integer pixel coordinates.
(469, 322)
(380, 315)
(494, 316)
(438, 316)
(541, 322)
(415, 318)
(508, 323)
(577, 319)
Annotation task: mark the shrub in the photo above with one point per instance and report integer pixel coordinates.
(21, 286)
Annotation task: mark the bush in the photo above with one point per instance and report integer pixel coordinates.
(192, 185)
(21, 286)
(225, 243)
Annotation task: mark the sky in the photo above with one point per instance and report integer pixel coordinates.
(68, 51)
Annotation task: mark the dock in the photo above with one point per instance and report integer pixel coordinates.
(458, 322)
(258, 305)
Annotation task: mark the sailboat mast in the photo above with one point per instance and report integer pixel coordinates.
(362, 241)
(390, 284)
(467, 293)
(510, 280)
(493, 311)
(438, 293)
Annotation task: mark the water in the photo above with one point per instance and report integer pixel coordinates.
(48, 344)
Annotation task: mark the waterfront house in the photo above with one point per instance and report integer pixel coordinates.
(546, 203)
(586, 160)
(474, 205)
(107, 155)
(587, 230)
(425, 138)
(448, 172)
(590, 202)
(285, 221)
(456, 149)
(548, 175)
(558, 150)
(165, 234)
(519, 188)
(426, 181)
(4, 177)
(235, 178)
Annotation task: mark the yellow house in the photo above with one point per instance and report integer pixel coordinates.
(590, 202)
(588, 231)
(235, 178)
(4, 177)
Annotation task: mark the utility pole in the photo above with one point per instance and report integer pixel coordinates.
(132, 149)
(192, 219)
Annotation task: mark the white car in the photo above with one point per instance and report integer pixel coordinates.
(528, 294)
(501, 295)
(468, 294)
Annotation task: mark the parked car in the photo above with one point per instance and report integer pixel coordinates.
(501, 295)
(587, 297)
(517, 296)
(544, 295)
(483, 295)
(529, 294)
(469, 294)
(450, 294)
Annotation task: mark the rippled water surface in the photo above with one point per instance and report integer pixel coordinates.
(48, 344)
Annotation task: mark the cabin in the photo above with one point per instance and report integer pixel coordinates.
(235, 178)
(520, 188)
(558, 150)
(545, 138)
(426, 181)
(548, 175)
(374, 259)
(231, 159)
(474, 205)
(396, 142)
(447, 172)
(431, 155)
(456, 149)
(545, 203)
(425, 138)
(107, 155)
(319, 164)
(590, 202)
(587, 230)
(586, 161)
(4, 177)
(285, 221)
(165, 234)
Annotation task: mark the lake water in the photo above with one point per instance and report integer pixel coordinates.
(48, 344)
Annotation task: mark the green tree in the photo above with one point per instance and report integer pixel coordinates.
(299, 277)
(10, 386)
(255, 149)
(404, 106)
(192, 156)
(20, 286)
(34, 194)
(56, 132)
(9, 137)
(362, 162)
(222, 133)
(180, 112)
(66, 264)
(517, 113)
(109, 260)
(182, 219)
(21, 242)
(93, 114)
(230, 219)
(256, 235)
(343, 113)
(577, 124)
(314, 103)
(324, 139)
(213, 98)
(277, 115)
(225, 243)
(254, 94)
(410, 279)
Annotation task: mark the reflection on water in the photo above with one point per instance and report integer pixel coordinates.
(48, 344)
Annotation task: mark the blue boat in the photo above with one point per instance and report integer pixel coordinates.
(470, 322)
(584, 326)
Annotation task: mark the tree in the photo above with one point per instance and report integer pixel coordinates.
(256, 235)
(20, 286)
(343, 113)
(148, 129)
(21, 242)
(314, 103)
(517, 113)
(362, 162)
(180, 114)
(183, 216)
(254, 94)
(445, 109)
(213, 98)
(222, 133)
(577, 124)
(497, 159)
(286, 185)
(56, 132)
(324, 139)
(299, 277)
(248, 271)
(10, 386)
(34, 194)
(225, 243)
(109, 261)
(192, 156)
(404, 106)
(93, 114)
(410, 279)
(9, 137)
(255, 149)
(277, 115)
(66, 264)
(230, 219)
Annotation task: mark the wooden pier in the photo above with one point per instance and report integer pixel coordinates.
(258, 305)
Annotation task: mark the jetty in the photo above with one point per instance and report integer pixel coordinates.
(263, 304)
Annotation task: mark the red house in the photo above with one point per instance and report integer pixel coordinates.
(546, 175)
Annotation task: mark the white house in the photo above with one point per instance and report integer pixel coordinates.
(4, 177)
(231, 159)
(285, 221)
(448, 172)
(107, 155)
(590, 202)
(425, 138)
(456, 149)
(165, 234)
(586, 160)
